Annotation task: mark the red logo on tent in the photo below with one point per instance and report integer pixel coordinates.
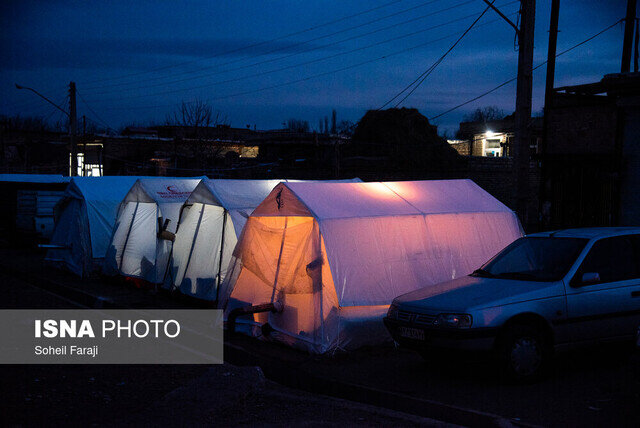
(173, 192)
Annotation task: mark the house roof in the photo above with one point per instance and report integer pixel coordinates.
(611, 84)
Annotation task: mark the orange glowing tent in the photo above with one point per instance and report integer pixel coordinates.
(334, 255)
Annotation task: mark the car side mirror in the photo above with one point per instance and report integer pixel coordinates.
(590, 278)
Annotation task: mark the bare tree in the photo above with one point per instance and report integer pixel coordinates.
(346, 128)
(485, 114)
(298, 125)
(196, 117)
(334, 118)
(32, 123)
(197, 114)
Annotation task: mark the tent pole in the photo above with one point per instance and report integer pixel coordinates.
(155, 262)
(224, 226)
(275, 280)
(124, 247)
(193, 243)
(318, 248)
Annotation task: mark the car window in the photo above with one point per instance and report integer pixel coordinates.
(613, 259)
(535, 259)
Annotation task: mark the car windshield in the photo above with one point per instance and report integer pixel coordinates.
(534, 259)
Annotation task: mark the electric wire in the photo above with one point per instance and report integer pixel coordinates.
(93, 112)
(533, 69)
(231, 51)
(291, 82)
(421, 78)
(288, 67)
(311, 49)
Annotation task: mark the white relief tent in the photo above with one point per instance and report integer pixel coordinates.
(335, 255)
(84, 222)
(211, 222)
(145, 228)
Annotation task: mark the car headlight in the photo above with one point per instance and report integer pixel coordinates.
(453, 320)
(393, 311)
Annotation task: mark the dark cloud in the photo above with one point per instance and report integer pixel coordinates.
(135, 53)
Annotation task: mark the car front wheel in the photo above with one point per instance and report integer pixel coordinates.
(524, 352)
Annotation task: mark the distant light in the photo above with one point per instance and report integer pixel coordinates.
(489, 133)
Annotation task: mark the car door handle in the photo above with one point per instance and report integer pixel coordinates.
(635, 294)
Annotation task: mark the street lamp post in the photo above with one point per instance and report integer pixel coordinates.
(72, 121)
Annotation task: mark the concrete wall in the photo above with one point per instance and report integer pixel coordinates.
(630, 178)
(496, 176)
(582, 124)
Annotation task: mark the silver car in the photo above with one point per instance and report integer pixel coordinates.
(544, 292)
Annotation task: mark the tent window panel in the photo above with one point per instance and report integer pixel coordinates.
(198, 251)
(202, 271)
(139, 256)
(259, 250)
(302, 263)
(261, 245)
(230, 241)
(122, 230)
(264, 242)
(297, 254)
(249, 290)
(184, 241)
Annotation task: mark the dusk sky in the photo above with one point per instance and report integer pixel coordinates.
(133, 61)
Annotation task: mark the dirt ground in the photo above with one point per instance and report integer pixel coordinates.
(596, 387)
(162, 395)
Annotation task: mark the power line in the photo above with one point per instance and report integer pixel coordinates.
(288, 67)
(92, 111)
(533, 69)
(205, 75)
(62, 118)
(36, 102)
(312, 76)
(62, 102)
(344, 18)
(421, 78)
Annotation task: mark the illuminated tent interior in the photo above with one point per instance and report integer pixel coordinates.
(334, 255)
(85, 217)
(212, 219)
(145, 227)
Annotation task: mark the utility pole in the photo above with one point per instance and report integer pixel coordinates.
(84, 145)
(551, 53)
(636, 54)
(73, 129)
(629, 23)
(548, 97)
(2, 137)
(520, 148)
(523, 107)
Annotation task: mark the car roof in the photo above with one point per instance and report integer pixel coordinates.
(589, 232)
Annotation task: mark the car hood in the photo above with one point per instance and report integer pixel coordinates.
(470, 292)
